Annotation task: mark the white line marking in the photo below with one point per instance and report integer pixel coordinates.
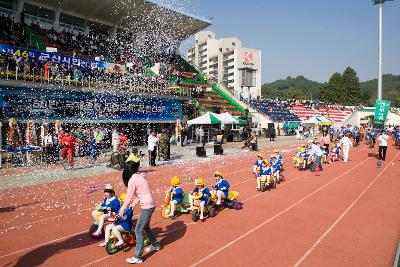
(42, 244)
(273, 217)
(108, 256)
(308, 252)
(61, 238)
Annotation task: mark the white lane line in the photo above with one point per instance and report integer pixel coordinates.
(42, 244)
(61, 238)
(308, 252)
(273, 217)
(108, 256)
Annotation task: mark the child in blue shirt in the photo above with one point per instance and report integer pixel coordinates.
(221, 186)
(121, 225)
(177, 194)
(264, 171)
(204, 194)
(275, 166)
(257, 165)
(110, 205)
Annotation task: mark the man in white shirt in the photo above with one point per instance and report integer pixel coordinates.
(346, 144)
(115, 140)
(300, 129)
(383, 139)
(317, 153)
(151, 146)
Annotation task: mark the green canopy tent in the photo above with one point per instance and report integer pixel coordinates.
(207, 119)
(291, 124)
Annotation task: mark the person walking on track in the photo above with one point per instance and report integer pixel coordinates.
(383, 139)
(139, 187)
(346, 143)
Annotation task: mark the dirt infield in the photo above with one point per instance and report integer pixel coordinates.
(346, 216)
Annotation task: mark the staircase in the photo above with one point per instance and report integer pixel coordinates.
(213, 94)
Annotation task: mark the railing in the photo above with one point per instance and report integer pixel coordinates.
(90, 82)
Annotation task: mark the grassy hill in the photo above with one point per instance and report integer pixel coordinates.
(302, 88)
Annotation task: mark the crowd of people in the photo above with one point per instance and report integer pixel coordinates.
(11, 33)
(335, 144)
(277, 110)
(134, 60)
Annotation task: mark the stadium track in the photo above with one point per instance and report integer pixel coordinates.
(344, 217)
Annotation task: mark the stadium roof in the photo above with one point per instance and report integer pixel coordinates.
(146, 14)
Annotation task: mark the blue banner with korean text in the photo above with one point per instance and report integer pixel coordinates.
(28, 54)
(50, 105)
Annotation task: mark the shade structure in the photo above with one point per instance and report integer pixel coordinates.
(325, 121)
(206, 119)
(312, 120)
(291, 124)
(226, 118)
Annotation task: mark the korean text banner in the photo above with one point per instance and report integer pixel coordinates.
(381, 110)
(85, 106)
(28, 54)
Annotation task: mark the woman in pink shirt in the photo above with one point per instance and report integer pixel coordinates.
(139, 187)
(325, 141)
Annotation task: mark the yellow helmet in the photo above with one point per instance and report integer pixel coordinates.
(122, 197)
(109, 188)
(219, 174)
(175, 181)
(276, 151)
(265, 161)
(259, 155)
(199, 181)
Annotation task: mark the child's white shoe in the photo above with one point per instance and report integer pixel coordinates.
(119, 243)
(103, 244)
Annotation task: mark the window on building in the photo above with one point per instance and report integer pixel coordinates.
(248, 77)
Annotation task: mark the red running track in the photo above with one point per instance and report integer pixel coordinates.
(347, 216)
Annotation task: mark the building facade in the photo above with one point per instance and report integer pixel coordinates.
(228, 63)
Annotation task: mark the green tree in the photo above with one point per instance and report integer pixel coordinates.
(331, 91)
(351, 89)
(294, 93)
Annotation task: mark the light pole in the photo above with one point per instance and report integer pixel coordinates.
(380, 3)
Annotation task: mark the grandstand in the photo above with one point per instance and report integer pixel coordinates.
(337, 114)
(101, 46)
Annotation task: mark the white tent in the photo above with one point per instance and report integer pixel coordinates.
(226, 118)
(323, 119)
(393, 119)
(207, 118)
(312, 120)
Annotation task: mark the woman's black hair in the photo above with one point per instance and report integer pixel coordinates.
(130, 168)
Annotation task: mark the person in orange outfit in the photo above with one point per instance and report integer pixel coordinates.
(123, 142)
(68, 142)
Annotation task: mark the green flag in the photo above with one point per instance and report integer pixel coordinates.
(381, 110)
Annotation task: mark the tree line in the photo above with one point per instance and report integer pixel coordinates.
(341, 88)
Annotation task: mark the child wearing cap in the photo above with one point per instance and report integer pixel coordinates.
(110, 204)
(275, 166)
(122, 225)
(177, 194)
(257, 165)
(201, 193)
(221, 186)
(265, 170)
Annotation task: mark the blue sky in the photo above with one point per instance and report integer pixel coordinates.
(310, 38)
